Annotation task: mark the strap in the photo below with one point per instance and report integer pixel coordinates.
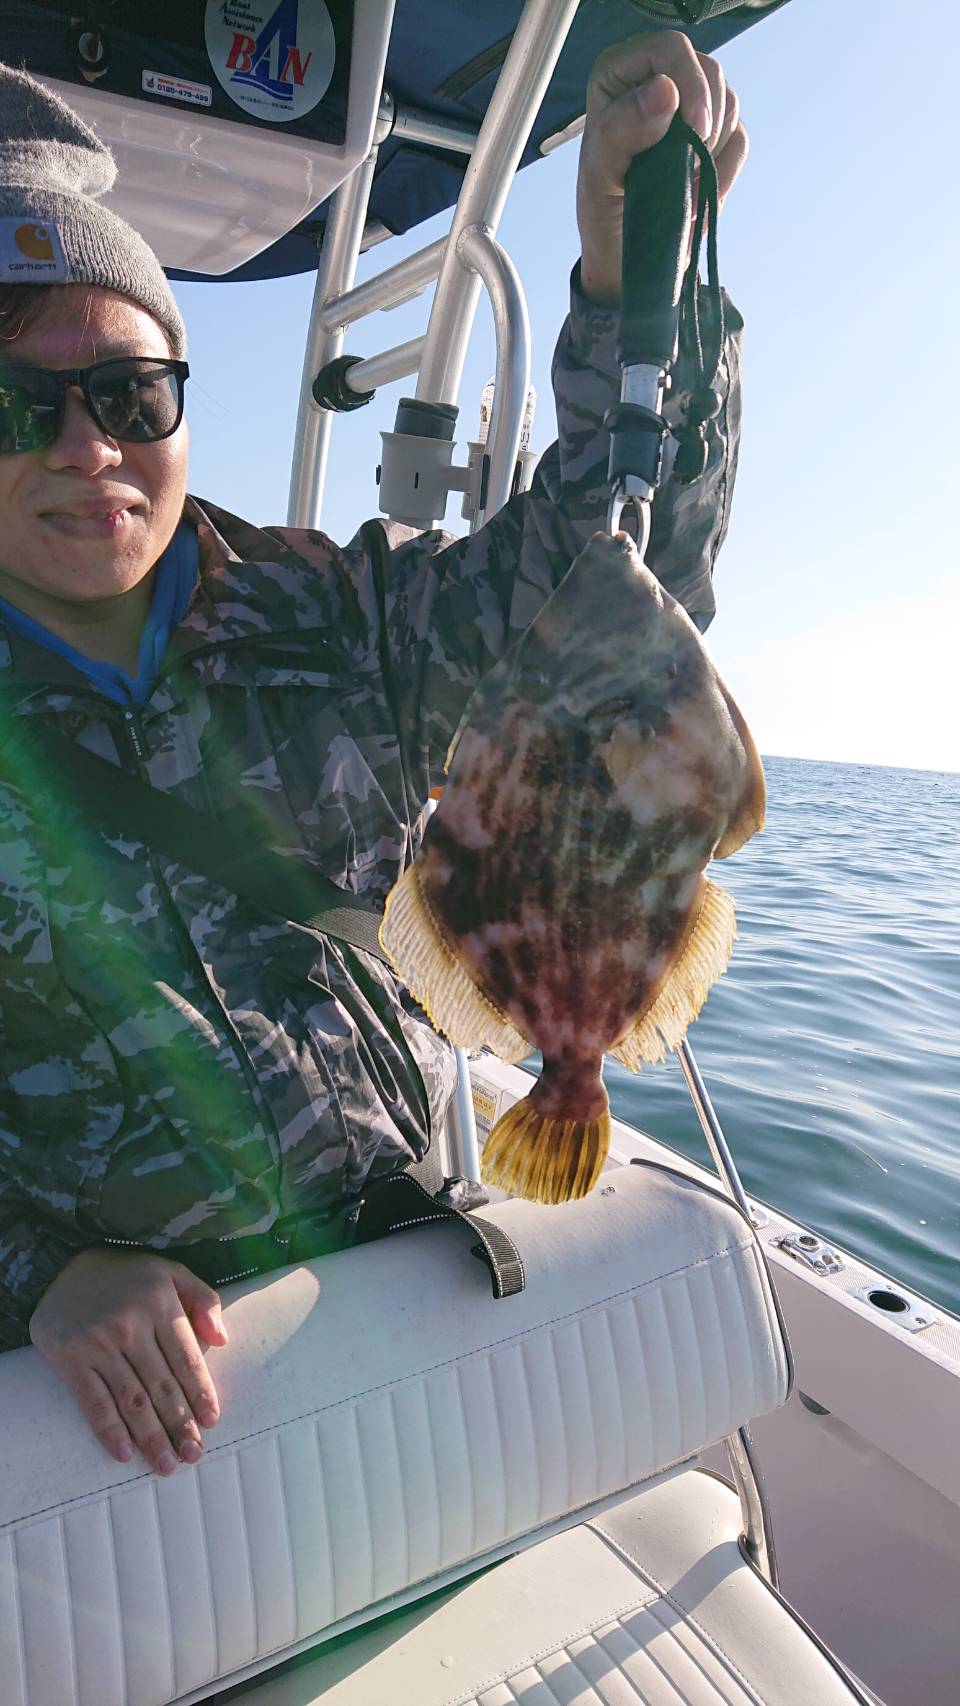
(397, 1201)
(221, 849)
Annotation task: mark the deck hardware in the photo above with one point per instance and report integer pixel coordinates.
(811, 1251)
(758, 1216)
(913, 1314)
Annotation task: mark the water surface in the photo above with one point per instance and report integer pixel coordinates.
(831, 1048)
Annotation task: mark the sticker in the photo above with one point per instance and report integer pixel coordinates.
(275, 58)
(177, 89)
(31, 252)
(486, 1106)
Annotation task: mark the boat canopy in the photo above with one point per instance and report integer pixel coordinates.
(234, 121)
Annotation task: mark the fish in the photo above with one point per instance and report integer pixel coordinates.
(558, 899)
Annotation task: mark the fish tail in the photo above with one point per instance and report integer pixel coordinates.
(536, 1153)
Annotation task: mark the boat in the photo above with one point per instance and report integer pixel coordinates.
(692, 1452)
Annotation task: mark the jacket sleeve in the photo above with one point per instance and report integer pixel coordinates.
(33, 1251)
(452, 608)
(439, 612)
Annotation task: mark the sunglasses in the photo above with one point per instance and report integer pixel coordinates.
(132, 398)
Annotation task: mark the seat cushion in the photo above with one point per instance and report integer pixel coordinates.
(386, 1426)
(651, 1604)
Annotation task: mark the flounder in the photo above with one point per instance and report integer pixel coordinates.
(558, 899)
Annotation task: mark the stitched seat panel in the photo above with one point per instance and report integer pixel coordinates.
(385, 1422)
(651, 1604)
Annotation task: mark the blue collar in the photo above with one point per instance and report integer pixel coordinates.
(175, 577)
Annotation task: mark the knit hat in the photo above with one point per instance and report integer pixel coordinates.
(53, 227)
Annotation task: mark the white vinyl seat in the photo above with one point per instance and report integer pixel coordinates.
(650, 1604)
(389, 1430)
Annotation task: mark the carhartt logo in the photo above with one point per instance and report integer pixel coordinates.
(31, 252)
(34, 240)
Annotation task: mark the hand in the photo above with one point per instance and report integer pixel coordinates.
(634, 90)
(123, 1329)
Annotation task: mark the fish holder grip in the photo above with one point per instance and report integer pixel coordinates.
(657, 217)
(636, 443)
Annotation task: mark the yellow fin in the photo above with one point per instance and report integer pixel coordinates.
(431, 971)
(751, 808)
(543, 1158)
(704, 958)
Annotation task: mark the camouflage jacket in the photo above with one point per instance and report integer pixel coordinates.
(176, 1069)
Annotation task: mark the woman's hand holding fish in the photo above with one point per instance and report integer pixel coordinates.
(634, 90)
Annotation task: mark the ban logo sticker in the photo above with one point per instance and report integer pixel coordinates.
(31, 252)
(275, 58)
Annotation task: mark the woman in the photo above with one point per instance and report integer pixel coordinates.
(191, 1089)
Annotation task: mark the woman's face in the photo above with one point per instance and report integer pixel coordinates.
(86, 519)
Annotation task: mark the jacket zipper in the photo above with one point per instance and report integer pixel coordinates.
(251, 641)
(141, 752)
(135, 733)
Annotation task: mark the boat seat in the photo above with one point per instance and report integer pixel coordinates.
(651, 1604)
(388, 1429)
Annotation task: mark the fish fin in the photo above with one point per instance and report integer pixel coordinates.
(432, 972)
(704, 957)
(545, 1158)
(751, 807)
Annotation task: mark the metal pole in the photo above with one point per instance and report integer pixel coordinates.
(463, 1148)
(384, 368)
(335, 271)
(462, 1159)
(712, 1131)
(511, 322)
(482, 252)
(521, 86)
(754, 1507)
(412, 124)
(386, 289)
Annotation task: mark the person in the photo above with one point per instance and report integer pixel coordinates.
(192, 1089)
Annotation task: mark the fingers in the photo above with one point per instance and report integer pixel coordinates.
(151, 1402)
(730, 162)
(731, 119)
(97, 1403)
(201, 1303)
(137, 1405)
(718, 99)
(630, 63)
(186, 1363)
(728, 140)
(626, 127)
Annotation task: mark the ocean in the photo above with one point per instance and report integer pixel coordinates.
(831, 1048)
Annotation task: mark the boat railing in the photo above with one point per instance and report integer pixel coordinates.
(468, 258)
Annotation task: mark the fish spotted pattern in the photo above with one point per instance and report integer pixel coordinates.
(559, 899)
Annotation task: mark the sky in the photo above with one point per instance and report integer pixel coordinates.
(838, 587)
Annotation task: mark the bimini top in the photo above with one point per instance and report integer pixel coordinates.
(233, 121)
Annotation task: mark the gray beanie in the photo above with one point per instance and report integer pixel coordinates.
(53, 227)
